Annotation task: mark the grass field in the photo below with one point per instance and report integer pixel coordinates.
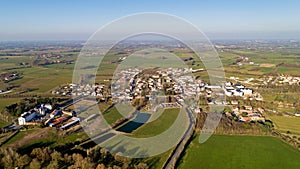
(159, 125)
(20, 135)
(45, 79)
(44, 136)
(6, 101)
(157, 161)
(286, 123)
(112, 115)
(3, 123)
(240, 152)
(75, 136)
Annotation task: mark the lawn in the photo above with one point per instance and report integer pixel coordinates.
(240, 152)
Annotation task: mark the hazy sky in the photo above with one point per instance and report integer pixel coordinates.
(78, 19)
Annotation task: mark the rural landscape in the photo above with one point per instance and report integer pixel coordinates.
(261, 114)
(149, 84)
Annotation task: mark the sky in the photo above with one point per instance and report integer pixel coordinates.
(79, 19)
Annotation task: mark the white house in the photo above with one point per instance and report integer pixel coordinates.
(26, 117)
(247, 92)
(239, 86)
(228, 93)
(237, 93)
(257, 118)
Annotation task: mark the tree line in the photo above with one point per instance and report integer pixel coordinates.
(46, 157)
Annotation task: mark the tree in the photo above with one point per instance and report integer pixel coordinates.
(67, 158)
(56, 156)
(35, 164)
(227, 109)
(244, 114)
(116, 167)
(87, 163)
(53, 165)
(23, 161)
(81, 162)
(100, 166)
(141, 166)
(41, 154)
(9, 158)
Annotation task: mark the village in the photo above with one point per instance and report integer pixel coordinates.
(164, 88)
(180, 84)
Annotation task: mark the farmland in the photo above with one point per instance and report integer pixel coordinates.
(42, 74)
(286, 123)
(240, 152)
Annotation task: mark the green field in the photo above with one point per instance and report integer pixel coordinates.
(286, 123)
(157, 162)
(44, 79)
(240, 152)
(18, 136)
(7, 101)
(112, 115)
(3, 123)
(159, 125)
(3, 103)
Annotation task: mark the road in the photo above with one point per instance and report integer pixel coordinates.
(170, 164)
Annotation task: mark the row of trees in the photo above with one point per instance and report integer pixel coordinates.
(52, 159)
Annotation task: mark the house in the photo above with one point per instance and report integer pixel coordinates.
(234, 102)
(155, 76)
(239, 86)
(261, 110)
(212, 87)
(247, 92)
(244, 119)
(248, 107)
(235, 108)
(198, 110)
(228, 93)
(228, 84)
(228, 114)
(26, 117)
(229, 88)
(237, 93)
(259, 98)
(257, 118)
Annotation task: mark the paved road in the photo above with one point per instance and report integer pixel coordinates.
(180, 147)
